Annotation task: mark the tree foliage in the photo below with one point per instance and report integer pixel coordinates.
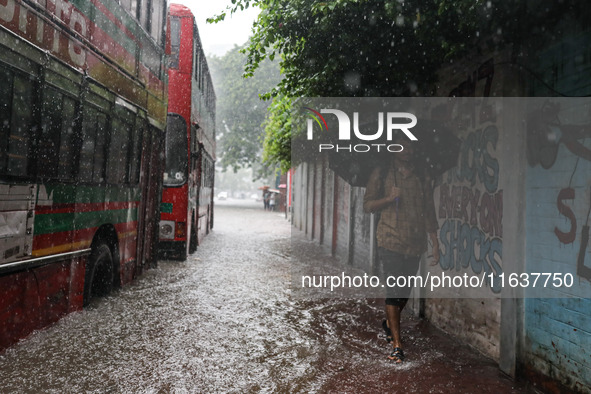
(277, 143)
(389, 47)
(240, 111)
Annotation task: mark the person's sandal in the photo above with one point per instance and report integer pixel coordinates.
(387, 331)
(397, 355)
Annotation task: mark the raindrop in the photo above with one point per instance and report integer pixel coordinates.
(352, 80)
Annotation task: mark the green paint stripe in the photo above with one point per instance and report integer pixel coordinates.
(59, 222)
(71, 194)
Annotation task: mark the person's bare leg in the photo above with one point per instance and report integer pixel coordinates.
(393, 316)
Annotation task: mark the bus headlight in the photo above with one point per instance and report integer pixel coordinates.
(166, 229)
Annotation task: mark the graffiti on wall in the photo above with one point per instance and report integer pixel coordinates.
(470, 207)
(545, 133)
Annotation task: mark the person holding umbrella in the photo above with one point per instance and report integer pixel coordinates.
(407, 214)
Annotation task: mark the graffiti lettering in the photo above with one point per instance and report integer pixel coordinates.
(477, 162)
(486, 211)
(467, 88)
(565, 210)
(466, 246)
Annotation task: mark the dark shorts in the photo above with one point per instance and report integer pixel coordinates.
(394, 264)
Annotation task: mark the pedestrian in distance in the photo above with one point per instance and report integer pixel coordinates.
(407, 214)
(272, 201)
(266, 200)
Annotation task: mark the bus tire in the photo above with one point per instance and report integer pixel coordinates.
(99, 274)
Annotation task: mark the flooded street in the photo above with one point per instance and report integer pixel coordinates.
(224, 321)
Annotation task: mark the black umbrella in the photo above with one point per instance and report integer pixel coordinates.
(436, 151)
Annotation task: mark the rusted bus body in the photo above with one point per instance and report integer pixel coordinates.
(187, 199)
(82, 113)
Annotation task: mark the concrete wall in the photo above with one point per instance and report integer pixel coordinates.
(514, 203)
(558, 330)
(469, 202)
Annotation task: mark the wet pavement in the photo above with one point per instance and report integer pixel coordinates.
(225, 321)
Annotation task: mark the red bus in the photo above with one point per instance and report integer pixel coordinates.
(82, 116)
(186, 211)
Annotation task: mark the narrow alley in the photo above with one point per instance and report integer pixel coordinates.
(224, 321)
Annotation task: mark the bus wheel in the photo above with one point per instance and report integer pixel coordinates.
(98, 279)
(193, 239)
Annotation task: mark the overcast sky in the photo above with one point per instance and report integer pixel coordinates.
(218, 38)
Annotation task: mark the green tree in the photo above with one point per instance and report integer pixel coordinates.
(240, 110)
(277, 142)
(391, 47)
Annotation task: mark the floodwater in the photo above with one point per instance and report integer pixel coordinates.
(224, 321)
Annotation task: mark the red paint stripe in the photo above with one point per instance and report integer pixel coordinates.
(46, 241)
(84, 234)
(125, 227)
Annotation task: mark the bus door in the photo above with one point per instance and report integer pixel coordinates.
(17, 189)
(149, 214)
(96, 108)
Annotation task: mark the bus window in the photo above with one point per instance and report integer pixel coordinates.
(118, 162)
(66, 159)
(175, 42)
(55, 147)
(158, 13)
(98, 174)
(22, 116)
(144, 12)
(176, 151)
(15, 131)
(48, 149)
(5, 118)
(134, 168)
(92, 153)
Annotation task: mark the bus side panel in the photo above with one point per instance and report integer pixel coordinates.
(153, 195)
(127, 234)
(30, 300)
(43, 61)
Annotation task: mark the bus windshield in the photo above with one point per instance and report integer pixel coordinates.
(175, 173)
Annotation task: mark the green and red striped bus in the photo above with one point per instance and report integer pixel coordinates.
(83, 104)
(187, 198)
